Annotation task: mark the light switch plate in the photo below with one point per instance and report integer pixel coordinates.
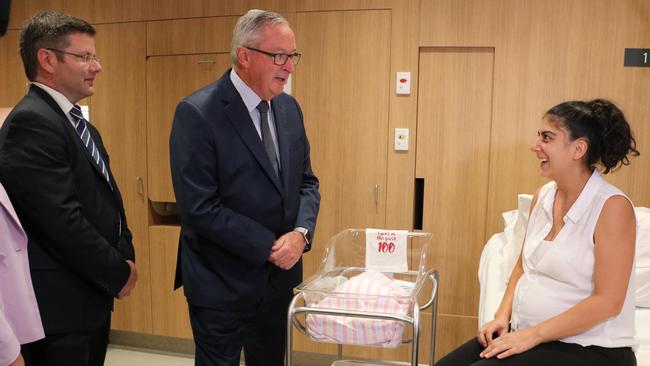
(403, 83)
(401, 139)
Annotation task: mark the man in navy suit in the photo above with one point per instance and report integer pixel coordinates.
(57, 173)
(247, 198)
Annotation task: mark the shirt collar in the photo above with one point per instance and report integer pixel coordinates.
(581, 204)
(250, 98)
(549, 198)
(59, 98)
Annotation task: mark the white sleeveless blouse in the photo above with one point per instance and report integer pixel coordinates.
(560, 276)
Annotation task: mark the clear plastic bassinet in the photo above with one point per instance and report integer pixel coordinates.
(347, 303)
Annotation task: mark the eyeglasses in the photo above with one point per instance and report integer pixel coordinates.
(280, 58)
(86, 57)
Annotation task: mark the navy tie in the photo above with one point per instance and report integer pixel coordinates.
(267, 139)
(82, 130)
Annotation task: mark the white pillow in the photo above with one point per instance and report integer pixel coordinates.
(517, 233)
(498, 258)
(642, 322)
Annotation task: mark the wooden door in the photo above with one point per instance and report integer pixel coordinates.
(117, 110)
(170, 314)
(169, 80)
(342, 85)
(453, 144)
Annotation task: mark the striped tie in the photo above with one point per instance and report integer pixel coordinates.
(83, 132)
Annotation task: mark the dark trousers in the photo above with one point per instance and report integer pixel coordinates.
(551, 353)
(71, 349)
(220, 335)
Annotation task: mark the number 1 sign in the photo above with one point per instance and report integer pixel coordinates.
(637, 57)
(386, 250)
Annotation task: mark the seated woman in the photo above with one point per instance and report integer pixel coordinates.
(570, 299)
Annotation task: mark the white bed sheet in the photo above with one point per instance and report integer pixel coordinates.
(642, 320)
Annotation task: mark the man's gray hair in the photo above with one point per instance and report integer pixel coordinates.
(247, 29)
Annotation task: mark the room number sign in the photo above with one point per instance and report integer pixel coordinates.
(637, 57)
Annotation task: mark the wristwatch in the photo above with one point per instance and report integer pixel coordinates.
(305, 234)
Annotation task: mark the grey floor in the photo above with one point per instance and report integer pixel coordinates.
(119, 356)
(137, 349)
(128, 356)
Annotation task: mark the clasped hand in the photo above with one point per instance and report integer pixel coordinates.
(130, 282)
(506, 344)
(287, 250)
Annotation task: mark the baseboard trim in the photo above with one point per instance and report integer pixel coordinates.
(154, 343)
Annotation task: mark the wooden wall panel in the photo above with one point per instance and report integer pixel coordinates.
(548, 52)
(188, 36)
(578, 64)
(330, 5)
(466, 23)
(170, 314)
(21, 10)
(166, 9)
(192, 36)
(12, 74)
(403, 114)
(453, 154)
(169, 80)
(101, 11)
(117, 110)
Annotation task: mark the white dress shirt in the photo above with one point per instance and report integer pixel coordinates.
(60, 99)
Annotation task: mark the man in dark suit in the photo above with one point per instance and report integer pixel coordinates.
(247, 197)
(56, 171)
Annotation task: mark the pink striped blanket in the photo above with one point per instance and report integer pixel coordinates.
(370, 291)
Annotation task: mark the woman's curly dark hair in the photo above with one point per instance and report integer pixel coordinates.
(604, 127)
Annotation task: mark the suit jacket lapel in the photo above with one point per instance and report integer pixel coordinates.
(282, 129)
(236, 111)
(62, 114)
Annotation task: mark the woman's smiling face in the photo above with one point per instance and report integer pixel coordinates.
(553, 147)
